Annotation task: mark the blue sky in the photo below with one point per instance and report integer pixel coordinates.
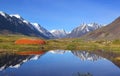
(63, 14)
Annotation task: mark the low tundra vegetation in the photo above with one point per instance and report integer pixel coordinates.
(7, 43)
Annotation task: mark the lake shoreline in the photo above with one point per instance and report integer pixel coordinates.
(8, 43)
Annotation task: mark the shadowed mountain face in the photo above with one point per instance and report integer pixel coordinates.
(111, 31)
(15, 24)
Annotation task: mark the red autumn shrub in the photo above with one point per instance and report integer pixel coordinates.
(29, 41)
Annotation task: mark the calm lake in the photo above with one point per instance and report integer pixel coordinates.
(60, 63)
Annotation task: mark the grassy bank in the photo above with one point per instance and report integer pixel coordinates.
(7, 43)
(78, 44)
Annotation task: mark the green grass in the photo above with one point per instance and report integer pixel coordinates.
(7, 43)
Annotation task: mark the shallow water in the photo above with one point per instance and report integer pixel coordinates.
(60, 63)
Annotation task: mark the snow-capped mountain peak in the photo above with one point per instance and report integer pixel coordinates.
(59, 33)
(18, 25)
(83, 26)
(35, 24)
(52, 31)
(42, 30)
(17, 16)
(83, 29)
(3, 14)
(25, 21)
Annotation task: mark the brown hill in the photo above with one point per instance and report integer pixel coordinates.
(109, 32)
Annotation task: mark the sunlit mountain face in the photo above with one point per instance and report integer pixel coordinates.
(84, 29)
(59, 33)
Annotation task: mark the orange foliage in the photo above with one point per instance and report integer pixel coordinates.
(30, 53)
(29, 41)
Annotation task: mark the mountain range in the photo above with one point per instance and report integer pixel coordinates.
(109, 32)
(83, 29)
(15, 24)
(59, 33)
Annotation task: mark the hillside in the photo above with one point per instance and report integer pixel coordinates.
(15, 24)
(109, 32)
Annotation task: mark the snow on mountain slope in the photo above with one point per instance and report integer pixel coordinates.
(83, 29)
(25, 21)
(22, 20)
(17, 16)
(42, 30)
(108, 32)
(83, 55)
(15, 24)
(2, 13)
(59, 33)
(57, 51)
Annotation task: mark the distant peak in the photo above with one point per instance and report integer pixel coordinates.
(59, 30)
(53, 31)
(17, 16)
(36, 24)
(25, 21)
(3, 13)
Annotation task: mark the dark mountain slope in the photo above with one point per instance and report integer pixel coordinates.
(17, 25)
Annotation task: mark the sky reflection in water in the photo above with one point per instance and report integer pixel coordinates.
(58, 63)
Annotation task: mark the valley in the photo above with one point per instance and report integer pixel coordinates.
(7, 44)
(91, 36)
(60, 38)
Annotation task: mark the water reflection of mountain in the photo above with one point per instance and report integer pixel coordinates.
(15, 60)
(99, 54)
(57, 51)
(112, 56)
(84, 55)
